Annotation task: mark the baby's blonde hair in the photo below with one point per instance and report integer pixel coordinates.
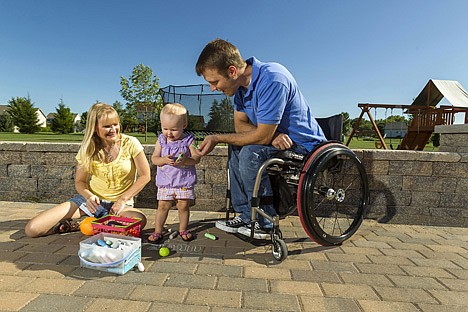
(175, 110)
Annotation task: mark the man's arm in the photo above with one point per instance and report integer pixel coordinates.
(246, 134)
(242, 122)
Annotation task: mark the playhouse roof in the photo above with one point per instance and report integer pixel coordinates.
(435, 90)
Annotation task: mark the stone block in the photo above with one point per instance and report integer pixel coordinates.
(22, 184)
(219, 191)
(52, 147)
(7, 158)
(436, 184)
(425, 199)
(390, 198)
(19, 171)
(56, 187)
(453, 200)
(3, 170)
(385, 182)
(448, 169)
(216, 176)
(200, 176)
(203, 204)
(462, 186)
(11, 147)
(59, 158)
(213, 163)
(33, 158)
(446, 212)
(204, 191)
(377, 167)
(410, 168)
(52, 172)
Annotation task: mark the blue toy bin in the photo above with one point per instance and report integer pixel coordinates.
(110, 253)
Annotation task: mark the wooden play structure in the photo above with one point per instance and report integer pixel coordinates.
(425, 114)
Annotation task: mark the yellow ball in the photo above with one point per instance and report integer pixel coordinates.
(164, 251)
(85, 226)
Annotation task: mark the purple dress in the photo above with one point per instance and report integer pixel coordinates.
(176, 176)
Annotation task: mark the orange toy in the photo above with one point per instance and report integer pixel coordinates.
(86, 227)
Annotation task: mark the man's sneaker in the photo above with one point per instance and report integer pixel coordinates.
(231, 225)
(259, 233)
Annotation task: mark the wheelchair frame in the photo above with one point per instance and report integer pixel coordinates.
(331, 194)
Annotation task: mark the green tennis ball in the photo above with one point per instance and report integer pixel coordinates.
(164, 251)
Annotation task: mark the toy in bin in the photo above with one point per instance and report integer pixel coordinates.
(111, 253)
(117, 225)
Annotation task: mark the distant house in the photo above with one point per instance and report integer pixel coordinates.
(3, 109)
(42, 119)
(396, 129)
(50, 117)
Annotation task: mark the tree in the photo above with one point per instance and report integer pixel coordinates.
(6, 123)
(24, 115)
(119, 108)
(346, 123)
(141, 91)
(128, 116)
(195, 122)
(435, 139)
(82, 125)
(63, 120)
(221, 116)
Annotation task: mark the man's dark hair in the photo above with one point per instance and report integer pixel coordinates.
(219, 54)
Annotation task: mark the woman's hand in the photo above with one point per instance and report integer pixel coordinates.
(92, 203)
(117, 207)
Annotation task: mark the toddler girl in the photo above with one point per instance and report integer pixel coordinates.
(176, 157)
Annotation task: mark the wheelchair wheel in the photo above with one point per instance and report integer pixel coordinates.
(280, 249)
(332, 194)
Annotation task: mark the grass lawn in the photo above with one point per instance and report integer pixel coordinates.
(151, 139)
(370, 144)
(73, 137)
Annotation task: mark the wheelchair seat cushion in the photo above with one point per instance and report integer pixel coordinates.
(290, 155)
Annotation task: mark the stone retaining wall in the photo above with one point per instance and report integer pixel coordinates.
(406, 187)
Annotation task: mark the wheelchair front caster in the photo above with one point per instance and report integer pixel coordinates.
(280, 249)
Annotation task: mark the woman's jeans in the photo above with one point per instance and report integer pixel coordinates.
(244, 163)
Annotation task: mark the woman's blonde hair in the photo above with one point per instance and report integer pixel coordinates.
(91, 145)
(177, 110)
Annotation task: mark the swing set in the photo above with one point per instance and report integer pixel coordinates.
(425, 114)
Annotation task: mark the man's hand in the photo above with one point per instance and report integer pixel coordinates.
(282, 141)
(207, 145)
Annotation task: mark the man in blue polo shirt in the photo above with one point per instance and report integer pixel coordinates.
(270, 114)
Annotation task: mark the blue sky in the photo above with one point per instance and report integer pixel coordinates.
(341, 52)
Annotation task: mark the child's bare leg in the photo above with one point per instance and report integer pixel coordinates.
(183, 207)
(161, 216)
(43, 223)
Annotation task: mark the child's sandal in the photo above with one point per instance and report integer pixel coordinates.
(186, 236)
(155, 237)
(66, 226)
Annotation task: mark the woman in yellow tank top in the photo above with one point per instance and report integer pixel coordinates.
(111, 169)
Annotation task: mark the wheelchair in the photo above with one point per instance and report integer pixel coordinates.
(328, 188)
